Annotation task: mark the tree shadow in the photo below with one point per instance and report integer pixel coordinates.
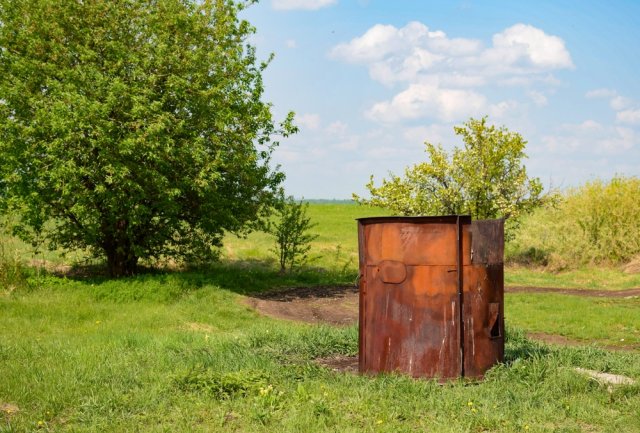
(244, 277)
(519, 347)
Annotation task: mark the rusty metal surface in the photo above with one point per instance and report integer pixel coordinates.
(415, 274)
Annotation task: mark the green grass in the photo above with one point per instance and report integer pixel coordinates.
(179, 352)
(593, 277)
(603, 321)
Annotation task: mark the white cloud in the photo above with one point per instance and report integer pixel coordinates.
(629, 116)
(441, 72)
(538, 98)
(502, 108)
(600, 93)
(308, 121)
(291, 43)
(616, 101)
(337, 128)
(591, 138)
(436, 133)
(525, 43)
(620, 103)
(309, 5)
(420, 100)
(623, 139)
(414, 52)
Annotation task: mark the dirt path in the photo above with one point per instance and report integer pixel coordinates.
(338, 305)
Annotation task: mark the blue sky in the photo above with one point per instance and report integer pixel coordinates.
(370, 81)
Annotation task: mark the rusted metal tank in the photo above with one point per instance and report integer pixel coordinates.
(431, 295)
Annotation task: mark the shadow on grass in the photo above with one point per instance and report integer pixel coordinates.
(242, 277)
(519, 347)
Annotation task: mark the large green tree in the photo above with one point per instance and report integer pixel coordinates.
(133, 128)
(485, 178)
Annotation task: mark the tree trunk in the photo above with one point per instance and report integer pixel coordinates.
(121, 262)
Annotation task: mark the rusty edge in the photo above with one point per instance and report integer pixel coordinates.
(460, 291)
(362, 287)
(433, 219)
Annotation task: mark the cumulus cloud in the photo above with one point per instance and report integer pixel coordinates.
(591, 138)
(414, 52)
(308, 121)
(502, 108)
(620, 102)
(309, 5)
(600, 93)
(337, 128)
(436, 133)
(616, 101)
(530, 45)
(629, 116)
(442, 74)
(420, 100)
(538, 98)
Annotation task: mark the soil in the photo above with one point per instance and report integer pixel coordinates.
(348, 364)
(338, 305)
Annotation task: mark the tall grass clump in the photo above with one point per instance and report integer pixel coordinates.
(13, 271)
(596, 223)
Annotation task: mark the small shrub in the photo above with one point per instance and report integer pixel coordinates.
(291, 232)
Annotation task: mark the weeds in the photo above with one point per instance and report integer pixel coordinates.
(221, 385)
(592, 224)
(13, 272)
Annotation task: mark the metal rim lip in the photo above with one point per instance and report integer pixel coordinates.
(416, 219)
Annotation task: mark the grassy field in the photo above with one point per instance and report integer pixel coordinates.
(602, 321)
(180, 351)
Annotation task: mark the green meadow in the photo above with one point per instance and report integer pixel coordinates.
(178, 351)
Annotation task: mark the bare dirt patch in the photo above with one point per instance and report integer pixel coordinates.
(342, 363)
(54, 268)
(335, 305)
(633, 267)
(8, 409)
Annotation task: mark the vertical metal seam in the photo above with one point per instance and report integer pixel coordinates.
(362, 288)
(460, 291)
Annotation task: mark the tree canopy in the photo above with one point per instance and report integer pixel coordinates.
(133, 128)
(485, 178)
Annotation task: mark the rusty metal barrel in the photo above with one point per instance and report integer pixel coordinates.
(431, 295)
